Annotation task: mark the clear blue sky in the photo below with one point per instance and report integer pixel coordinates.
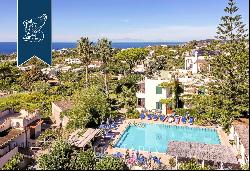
(127, 20)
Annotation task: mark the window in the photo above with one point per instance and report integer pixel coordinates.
(158, 105)
(158, 90)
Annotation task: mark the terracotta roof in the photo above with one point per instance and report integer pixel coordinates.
(35, 123)
(64, 105)
(13, 133)
(208, 152)
(242, 128)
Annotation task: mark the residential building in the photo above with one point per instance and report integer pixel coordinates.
(73, 61)
(150, 93)
(95, 64)
(57, 108)
(17, 130)
(239, 135)
(196, 62)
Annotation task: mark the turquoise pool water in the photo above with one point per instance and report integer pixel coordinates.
(155, 137)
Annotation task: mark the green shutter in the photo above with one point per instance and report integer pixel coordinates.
(159, 105)
(158, 90)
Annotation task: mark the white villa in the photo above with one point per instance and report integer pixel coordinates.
(196, 63)
(17, 130)
(150, 94)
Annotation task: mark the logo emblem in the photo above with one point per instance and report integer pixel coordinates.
(33, 29)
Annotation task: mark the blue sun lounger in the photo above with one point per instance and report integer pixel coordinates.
(142, 116)
(163, 118)
(118, 155)
(149, 117)
(157, 160)
(155, 117)
(183, 119)
(191, 120)
(141, 160)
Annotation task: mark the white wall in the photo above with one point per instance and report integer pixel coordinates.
(56, 114)
(20, 140)
(14, 122)
(150, 94)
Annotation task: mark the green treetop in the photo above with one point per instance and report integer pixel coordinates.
(132, 56)
(85, 51)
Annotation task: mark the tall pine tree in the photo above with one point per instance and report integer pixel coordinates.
(230, 69)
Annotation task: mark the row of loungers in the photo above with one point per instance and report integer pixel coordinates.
(169, 119)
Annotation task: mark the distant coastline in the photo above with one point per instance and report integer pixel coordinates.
(10, 47)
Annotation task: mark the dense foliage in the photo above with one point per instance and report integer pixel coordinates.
(63, 156)
(90, 107)
(58, 157)
(8, 76)
(131, 56)
(29, 102)
(83, 160)
(229, 91)
(111, 163)
(192, 165)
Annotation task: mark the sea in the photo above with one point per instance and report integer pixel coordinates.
(11, 47)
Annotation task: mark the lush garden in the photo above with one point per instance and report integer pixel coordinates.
(63, 156)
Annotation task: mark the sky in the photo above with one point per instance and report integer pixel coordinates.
(127, 20)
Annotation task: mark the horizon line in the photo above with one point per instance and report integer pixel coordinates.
(114, 41)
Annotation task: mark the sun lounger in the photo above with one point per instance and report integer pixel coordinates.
(155, 117)
(112, 126)
(163, 118)
(118, 154)
(149, 117)
(109, 136)
(157, 160)
(141, 160)
(191, 120)
(183, 119)
(142, 116)
(177, 120)
(170, 119)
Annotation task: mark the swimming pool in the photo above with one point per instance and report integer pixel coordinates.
(155, 137)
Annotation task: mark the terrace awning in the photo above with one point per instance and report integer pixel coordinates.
(82, 140)
(207, 152)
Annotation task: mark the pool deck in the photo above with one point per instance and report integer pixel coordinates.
(164, 157)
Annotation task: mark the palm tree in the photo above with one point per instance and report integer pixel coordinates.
(104, 53)
(85, 52)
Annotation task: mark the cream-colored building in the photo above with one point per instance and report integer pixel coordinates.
(17, 130)
(57, 108)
